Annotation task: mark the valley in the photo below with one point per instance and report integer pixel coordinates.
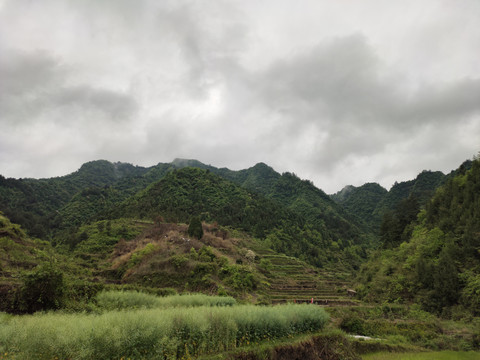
(399, 265)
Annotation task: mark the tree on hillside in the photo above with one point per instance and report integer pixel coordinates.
(445, 279)
(43, 289)
(394, 229)
(195, 228)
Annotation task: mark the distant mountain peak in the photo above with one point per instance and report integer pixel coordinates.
(262, 164)
(341, 195)
(179, 162)
(95, 163)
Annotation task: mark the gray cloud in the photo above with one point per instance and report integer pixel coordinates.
(336, 96)
(115, 106)
(445, 102)
(36, 83)
(23, 72)
(341, 93)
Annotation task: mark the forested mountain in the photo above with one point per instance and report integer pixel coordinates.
(300, 196)
(290, 214)
(438, 265)
(427, 239)
(186, 192)
(56, 207)
(421, 188)
(363, 202)
(371, 202)
(34, 203)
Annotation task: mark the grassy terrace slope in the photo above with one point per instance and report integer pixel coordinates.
(223, 261)
(289, 279)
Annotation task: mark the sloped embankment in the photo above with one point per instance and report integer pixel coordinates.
(333, 346)
(292, 280)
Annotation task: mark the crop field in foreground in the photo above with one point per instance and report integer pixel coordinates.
(172, 333)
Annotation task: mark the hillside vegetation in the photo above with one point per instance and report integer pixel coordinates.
(116, 248)
(291, 214)
(370, 203)
(287, 229)
(438, 265)
(363, 203)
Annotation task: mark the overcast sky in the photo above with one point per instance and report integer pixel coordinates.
(339, 92)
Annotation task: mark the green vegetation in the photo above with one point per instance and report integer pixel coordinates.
(393, 230)
(371, 203)
(35, 204)
(153, 333)
(257, 200)
(421, 188)
(30, 278)
(115, 300)
(288, 221)
(195, 228)
(438, 265)
(252, 236)
(43, 289)
(362, 202)
(444, 355)
(405, 327)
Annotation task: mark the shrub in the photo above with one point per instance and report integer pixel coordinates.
(42, 289)
(195, 228)
(179, 261)
(206, 254)
(353, 325)
(266, 264)
(138, 255)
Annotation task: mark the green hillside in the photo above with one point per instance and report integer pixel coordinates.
(27, 270)
(125, 237)
(437, 266)
(184, 193)
(17, 251)
(422, 188)
(88, 213)
(362, 202)
(45, 205)
(301, 197)
(370, 203)
(34, 203)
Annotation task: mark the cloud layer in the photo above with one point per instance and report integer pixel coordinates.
(339, 93)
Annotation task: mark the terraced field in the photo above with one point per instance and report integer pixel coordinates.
(292, 280)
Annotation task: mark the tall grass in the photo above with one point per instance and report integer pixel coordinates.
(174, 333)
(116, 300)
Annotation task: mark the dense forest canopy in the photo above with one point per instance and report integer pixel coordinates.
(432, 258)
